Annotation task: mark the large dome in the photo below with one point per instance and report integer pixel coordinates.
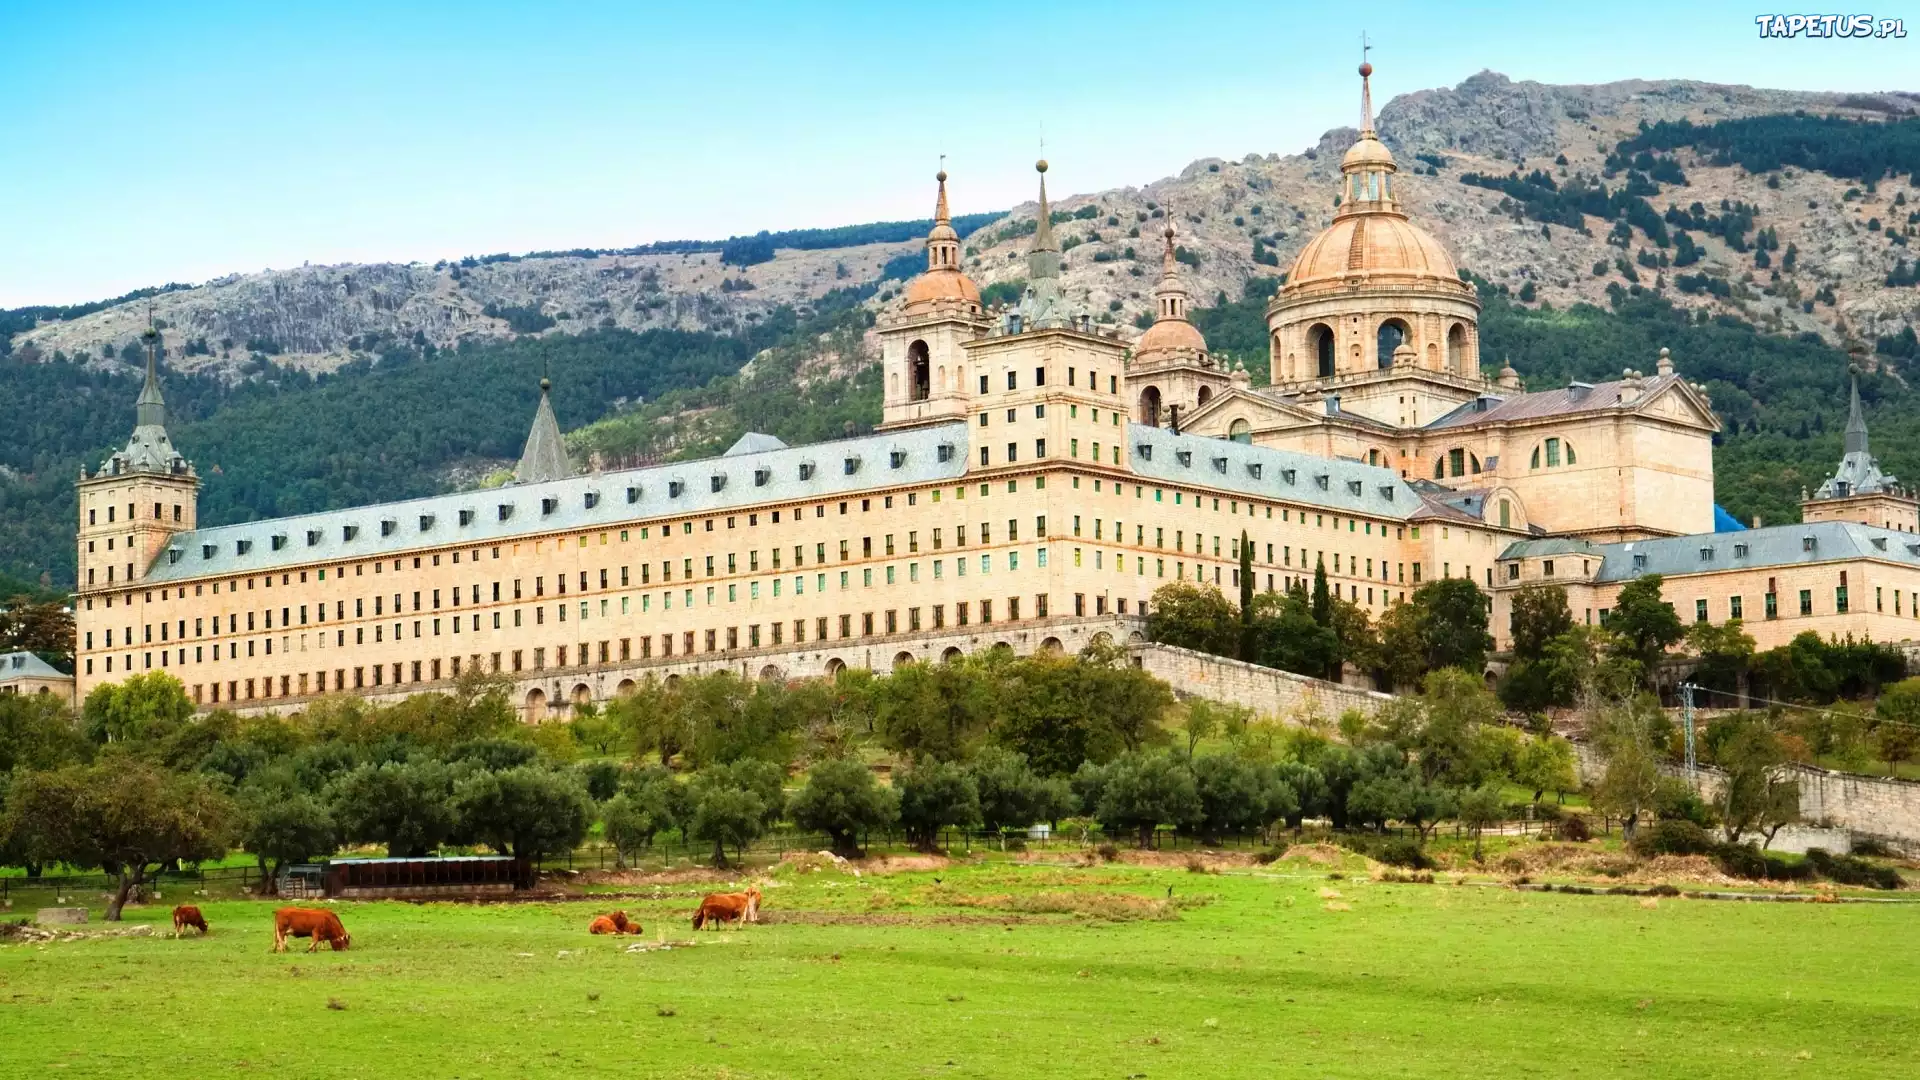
(1170, 336)
(937, 286)
(1376, 248)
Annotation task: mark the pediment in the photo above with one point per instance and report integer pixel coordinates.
(1262, 412)
(1681, 404)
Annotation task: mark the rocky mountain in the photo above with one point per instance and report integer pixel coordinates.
(1237, 220)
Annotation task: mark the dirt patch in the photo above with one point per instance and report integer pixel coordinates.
(688, 876)
(1107, 906)
(1182, 860)
(849, 918)
(1318, 854)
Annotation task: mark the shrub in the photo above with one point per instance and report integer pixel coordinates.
(1107, 852)
(1868, 847)
(1748, 861)
(1663, 889)
(1404, 851)
(1673, 837)
(1848, 870)
(1573, 828)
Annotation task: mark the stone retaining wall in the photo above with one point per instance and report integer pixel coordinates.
(1267, 691)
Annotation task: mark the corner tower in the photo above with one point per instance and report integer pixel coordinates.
(1374, 310)
(921, 360)
(1171, 367)
(138, 498)
(1858, 490)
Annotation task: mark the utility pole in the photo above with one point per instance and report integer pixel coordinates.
(1686, 717)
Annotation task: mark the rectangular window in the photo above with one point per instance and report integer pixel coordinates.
(1806, 601)
(1699, 611)
(1735, 608)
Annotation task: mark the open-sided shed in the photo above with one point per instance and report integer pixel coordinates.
(451, 877)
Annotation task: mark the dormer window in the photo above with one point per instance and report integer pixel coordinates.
(349, 533)
(897, 458)
(1219, 464)
(1880, 543)
(675, 487)
(944, 453)
(1144, 451)
(506, 511)
(277, 541)
(426, 522)
(1184, 457)
(1807, 543)
(1289, 475)
(591, 499)
(806, 470)
(633, 494)
(850, 466)
(1354, 487)
(716, 481)
(761, 476)
(313, 537)
(1386, 492)
(1322, 481)
(1740, 551)
(1639, 561)
(466, 518)
(1706, 554)
(207, 550)
(548, 505)
(173, 555)
(388, 526)
(241, 547)
(1253, 470)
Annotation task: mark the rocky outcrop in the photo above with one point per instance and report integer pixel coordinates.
(1237, 220)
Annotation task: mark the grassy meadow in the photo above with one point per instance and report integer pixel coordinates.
(995, 969)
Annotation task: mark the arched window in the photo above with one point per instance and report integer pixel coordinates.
(1506, 514)
(1457, 461)
(1534, 461)
(1568, 447)
(1457, 349)
(1150, 406)
(1240, 431)
(1553, 453)
(1439, 468)
(1206, 394)
(1392, 334)
(1322, 338)
(919, 372)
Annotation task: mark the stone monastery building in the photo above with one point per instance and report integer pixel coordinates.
(1033, 481)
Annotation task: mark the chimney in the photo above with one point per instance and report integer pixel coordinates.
(1756, 521)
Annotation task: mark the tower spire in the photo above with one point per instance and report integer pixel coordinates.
(1043, 255)
(1856, 437)
(1366, 89)
(150, 408)
(943, 243)
(545, 456)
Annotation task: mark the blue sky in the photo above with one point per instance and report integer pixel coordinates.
(142, 143)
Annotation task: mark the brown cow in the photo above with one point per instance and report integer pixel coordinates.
(187, 915)
(309, 923)
(717, 908)
(616, 923)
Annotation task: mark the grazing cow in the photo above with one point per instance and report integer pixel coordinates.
(309, 923)
(187, 915)
(717, 908)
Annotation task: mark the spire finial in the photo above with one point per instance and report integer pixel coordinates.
(1366, 89)
(940, 213)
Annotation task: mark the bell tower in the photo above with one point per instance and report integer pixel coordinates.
(138, 498)
(923, 365)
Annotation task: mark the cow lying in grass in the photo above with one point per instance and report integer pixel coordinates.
(309, 923)
(717, 908)
(187, 915)
(616, 923)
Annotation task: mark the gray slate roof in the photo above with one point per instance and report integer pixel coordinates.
(1769, 546)
(1565, 401)
(605, 500)
(25, 665)
(1266, 473)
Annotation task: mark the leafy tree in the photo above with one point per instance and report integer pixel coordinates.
(37, 732)
(406, 806)
(650, 803)
(126, 816)
(145, 708)
(1546, 764)
(726, 816)
(934, 796)
(1059, 712)
(44, 629)
(1141, 792)
(1308, 787)
(1287, 637)
(1754, 794)
(1237, 796)
(1193, 617)
(1011, 794)
(1646, 624)
(1540, 614)
(842, 800)
(1725, 651)
(1443, 624)
(494, 754)
(1478, 808)
(936, 711)
(595, 729)
(529, 812)
(283, 824)
(1630, 737)
(1456, 704)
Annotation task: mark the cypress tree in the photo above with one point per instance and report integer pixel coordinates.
(1322, 601)
(1246, 597)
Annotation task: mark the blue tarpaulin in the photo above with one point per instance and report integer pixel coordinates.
(1725, 522)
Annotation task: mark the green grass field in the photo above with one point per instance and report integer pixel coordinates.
(1252, 972)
